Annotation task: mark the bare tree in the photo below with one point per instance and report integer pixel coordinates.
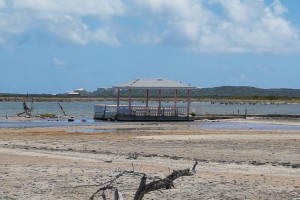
(144, 188)
(62, 109)
(166, 183)
(27, 109)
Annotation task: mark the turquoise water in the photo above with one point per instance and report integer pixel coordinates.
(86, 109)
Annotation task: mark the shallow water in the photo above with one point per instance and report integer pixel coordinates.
(221, 125)
(52, 123)
(197, 125)
(86, 109)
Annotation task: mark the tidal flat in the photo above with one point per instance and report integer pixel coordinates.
(70, 163)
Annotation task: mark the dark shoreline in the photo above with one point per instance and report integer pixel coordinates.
(266, 116)
(53, 99)
(226, 101)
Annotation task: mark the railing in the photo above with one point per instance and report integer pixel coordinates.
(153, 111)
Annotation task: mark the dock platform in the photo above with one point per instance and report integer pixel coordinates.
(141, 113)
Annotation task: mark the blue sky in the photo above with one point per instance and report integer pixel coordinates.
(53, 46)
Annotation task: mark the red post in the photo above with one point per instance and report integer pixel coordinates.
(147, 102)
(118, 100)
(188, 104)
(175, 102)
(147, 98)
(129, 103)
(159, 102)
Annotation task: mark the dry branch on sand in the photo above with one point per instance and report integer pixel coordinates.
(144, 188)
(166, 183)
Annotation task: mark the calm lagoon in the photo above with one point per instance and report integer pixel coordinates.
(86, 109)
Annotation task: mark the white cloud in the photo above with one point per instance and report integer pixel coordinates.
(184, 21)
(244, 11)
(146, 38)
(278, 8)
(73, 30)
(104, 35)
(235, 26)
(61, 20)
(2, 4)
(102, 8)
(245, 26)
(14, 23)
(58, 62)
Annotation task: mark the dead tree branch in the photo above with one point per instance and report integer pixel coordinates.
(144, 188)
(118, 194)
(62, 109)
(102, 189)
(166, 183)
(27, 109)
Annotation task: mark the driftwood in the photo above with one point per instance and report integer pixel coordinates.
(27, 109)
(62, 109)
(108, 186)
(166, 183)
(117, 193)
(144, 188)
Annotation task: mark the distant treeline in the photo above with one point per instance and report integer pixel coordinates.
(224, 92)
(216, 92)
(244, 91)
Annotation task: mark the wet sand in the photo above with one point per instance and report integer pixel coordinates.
(57, 162)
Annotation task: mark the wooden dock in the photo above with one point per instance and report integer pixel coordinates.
(141, 113)
(153, 118)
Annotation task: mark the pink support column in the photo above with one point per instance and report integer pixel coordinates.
(175, 102)
(188, 104)
(129, 103)
(147, 102)
(118, 100)
(159, 102)
(147, 98)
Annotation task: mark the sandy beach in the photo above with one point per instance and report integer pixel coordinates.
(72, 162)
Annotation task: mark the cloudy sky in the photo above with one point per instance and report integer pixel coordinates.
(51, 46)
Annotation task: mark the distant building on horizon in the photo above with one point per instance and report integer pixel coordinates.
(77, 92)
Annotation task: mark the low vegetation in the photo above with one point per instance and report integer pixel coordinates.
(48, 115)
(216, 94)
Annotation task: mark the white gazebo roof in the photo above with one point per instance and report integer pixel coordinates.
(153, 83)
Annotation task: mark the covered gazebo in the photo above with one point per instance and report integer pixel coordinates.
(153, 112)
